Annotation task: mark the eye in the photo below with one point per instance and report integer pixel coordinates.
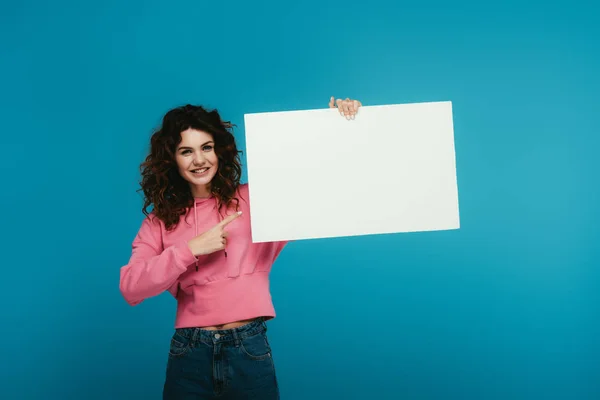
(207, 147)
(184, 152)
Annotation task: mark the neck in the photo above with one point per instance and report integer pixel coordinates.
(201, 191)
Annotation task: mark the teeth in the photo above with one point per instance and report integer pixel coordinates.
(199, 171)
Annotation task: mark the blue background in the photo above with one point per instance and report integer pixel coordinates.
(507, 307)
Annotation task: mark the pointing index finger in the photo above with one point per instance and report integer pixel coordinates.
(230, 218)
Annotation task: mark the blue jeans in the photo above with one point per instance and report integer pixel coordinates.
(226, 364)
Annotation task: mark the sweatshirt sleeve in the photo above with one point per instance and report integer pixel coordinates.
(152, 269)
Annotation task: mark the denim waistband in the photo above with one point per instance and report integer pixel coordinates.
(223, 335)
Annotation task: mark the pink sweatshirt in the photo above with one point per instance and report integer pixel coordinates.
(226, 288)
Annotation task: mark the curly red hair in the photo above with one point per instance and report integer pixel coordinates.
(162, 185)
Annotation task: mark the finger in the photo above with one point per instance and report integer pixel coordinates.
(347, 110)
(339, 106)
(351, 108)
(224, 234)
(228, 220)
(356, 106)
(331, 102)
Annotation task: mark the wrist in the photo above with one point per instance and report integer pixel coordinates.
(196, 247)
(193, 248)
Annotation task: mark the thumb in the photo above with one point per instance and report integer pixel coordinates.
(227, 220)
(331, 102)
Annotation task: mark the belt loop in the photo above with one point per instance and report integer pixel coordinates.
(195, 335)
(236, 337)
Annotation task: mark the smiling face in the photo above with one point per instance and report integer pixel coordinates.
(197, 161)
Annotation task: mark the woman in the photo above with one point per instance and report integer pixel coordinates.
(196, 244)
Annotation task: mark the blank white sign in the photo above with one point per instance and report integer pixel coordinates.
(314, 174)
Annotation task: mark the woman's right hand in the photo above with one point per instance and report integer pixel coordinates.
(212, 240)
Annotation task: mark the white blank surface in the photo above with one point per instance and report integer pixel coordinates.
(314, 174)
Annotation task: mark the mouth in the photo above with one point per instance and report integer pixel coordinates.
(199, 171)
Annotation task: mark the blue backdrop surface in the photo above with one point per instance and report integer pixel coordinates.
(507, 307)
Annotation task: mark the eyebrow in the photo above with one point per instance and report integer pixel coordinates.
(189, 148)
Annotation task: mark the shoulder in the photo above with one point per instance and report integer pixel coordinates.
(151, 223)
(150, 232)
(243, 191)
(243, 188)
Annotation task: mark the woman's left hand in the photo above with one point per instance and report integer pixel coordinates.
(347, 108)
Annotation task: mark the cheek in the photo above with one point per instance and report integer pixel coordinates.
(181, 163)
(214, 160)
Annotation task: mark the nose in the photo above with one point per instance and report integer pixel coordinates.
(199, 158)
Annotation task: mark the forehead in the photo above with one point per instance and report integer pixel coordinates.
(193, 137)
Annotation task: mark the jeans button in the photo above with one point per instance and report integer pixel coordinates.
(217, 336)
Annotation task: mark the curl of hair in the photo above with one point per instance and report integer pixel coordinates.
(163, 187)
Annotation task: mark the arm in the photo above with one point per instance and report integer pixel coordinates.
(151, 269)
